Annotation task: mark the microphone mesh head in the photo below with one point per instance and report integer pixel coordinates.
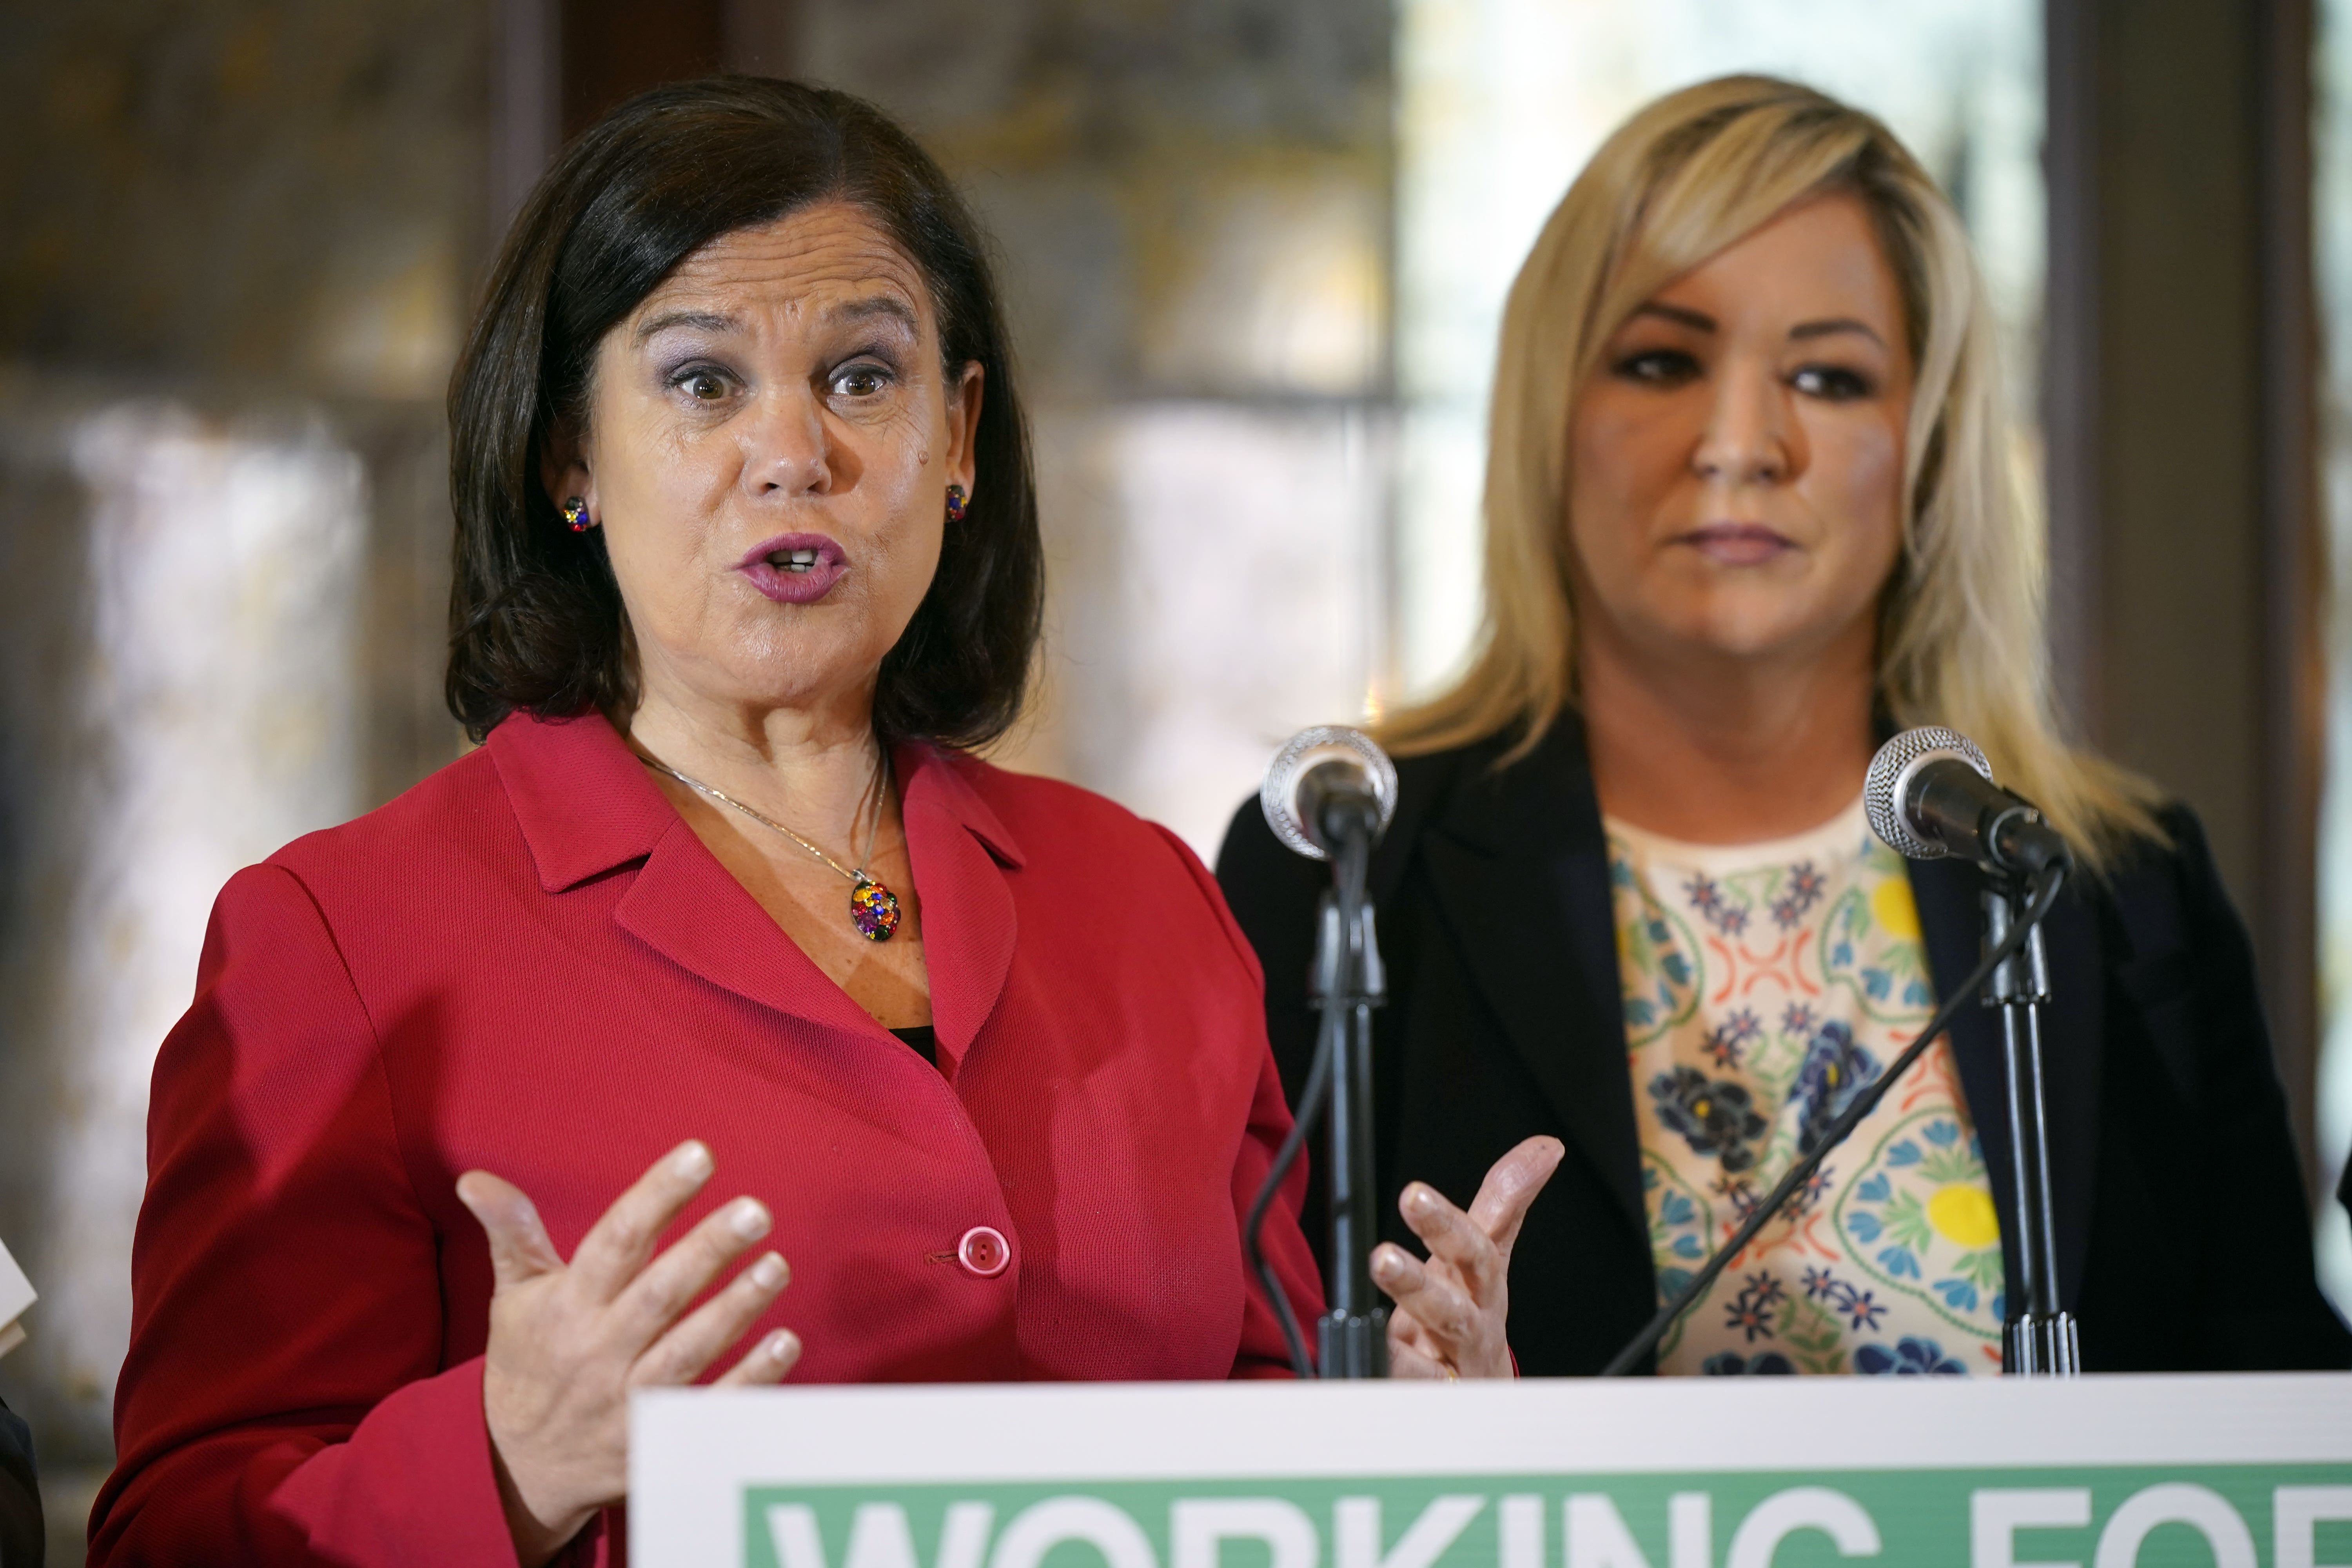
(1890, 774)
(1278, 795)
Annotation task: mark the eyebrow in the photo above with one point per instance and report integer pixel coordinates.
(705, 320)
(1696, 320)
(885, 306)
(1700, 321)
(876, 305)
(1834, 326)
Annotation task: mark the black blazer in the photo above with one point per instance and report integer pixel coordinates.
(2183, 1233)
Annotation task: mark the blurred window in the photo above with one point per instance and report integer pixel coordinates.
(221, 710)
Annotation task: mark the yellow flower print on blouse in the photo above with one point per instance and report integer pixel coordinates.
(1963, 1215)
(1895, 912)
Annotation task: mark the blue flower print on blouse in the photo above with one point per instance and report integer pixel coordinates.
(1715, 1116)
(1911, 1357)
(1731, 1364)
(1725, 1043)
(1798, 893)
(1706, 897)
(1834, 1070)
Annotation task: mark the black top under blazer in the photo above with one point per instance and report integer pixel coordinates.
(2183, 1233)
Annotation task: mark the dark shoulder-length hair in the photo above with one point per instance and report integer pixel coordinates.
(535, 619)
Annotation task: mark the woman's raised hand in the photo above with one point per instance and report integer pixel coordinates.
(567, 1342)
(1453, 1308)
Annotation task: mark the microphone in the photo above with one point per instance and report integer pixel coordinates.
(1930, 793)
(1329, 785)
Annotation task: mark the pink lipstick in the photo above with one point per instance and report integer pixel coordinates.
(795, 568)
(1737, 543)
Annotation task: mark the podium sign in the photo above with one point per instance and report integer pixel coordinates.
(2100, 1472)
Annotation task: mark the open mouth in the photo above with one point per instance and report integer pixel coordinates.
(795, 568)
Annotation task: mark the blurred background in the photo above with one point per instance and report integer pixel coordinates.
(1255, 252)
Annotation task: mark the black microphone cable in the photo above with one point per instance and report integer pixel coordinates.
(1311, 1098)
(2045, 895)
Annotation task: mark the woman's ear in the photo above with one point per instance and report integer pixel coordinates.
(963, 425)
(563, 468)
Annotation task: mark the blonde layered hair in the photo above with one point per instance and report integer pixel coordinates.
(1960, 634)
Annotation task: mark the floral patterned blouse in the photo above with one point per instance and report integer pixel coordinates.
(1765, 983)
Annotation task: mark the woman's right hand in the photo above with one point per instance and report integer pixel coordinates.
(567, 1342)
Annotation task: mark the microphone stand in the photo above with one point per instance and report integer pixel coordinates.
(1347, 984)
(1328, 795)
(2039, 1340)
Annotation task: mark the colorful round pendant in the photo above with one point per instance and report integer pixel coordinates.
(873, 910)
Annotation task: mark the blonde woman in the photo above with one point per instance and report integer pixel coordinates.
(1750, 508)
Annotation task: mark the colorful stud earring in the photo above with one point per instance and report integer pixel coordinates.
(575, 512)
(957, 503)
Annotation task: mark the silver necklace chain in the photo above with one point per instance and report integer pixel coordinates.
(860, 875)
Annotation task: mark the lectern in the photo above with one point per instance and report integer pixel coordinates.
(2100, 1472)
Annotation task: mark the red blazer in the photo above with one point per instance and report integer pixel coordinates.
(529, 963)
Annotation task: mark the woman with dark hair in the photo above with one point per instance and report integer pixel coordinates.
(747, 560)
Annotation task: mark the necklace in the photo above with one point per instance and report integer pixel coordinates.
(873, 908)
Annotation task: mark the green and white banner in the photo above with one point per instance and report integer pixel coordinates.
(2234, 1472)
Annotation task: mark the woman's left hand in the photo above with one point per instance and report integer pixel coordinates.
(1453, 1308)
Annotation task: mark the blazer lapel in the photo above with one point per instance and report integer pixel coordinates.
(960, 851)
(685, 906)
(1951, 922)
(1522, 869)
(585, 807)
